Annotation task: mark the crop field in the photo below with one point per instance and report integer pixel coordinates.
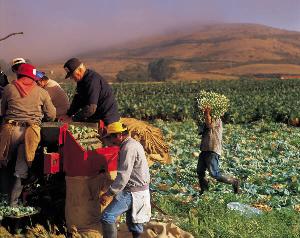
(265, 156)
(260, 147)
(250, 100)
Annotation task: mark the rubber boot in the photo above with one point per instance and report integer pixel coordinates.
(203, 185)
(16, 192)
(136, 235)
(229, 180)
(109, 230)
(236, 186)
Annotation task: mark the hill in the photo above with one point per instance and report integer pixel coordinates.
(211, 51)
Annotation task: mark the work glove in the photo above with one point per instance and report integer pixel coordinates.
(105, 199)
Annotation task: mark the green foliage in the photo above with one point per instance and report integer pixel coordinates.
(160, 69)
(210, 218)
(263, 155)
(250, 100)
(18, 211)
(69, 88)
(135, 73)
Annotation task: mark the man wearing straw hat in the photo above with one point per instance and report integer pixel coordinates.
(130, 190)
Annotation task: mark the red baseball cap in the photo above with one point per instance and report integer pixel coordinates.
(27, 70)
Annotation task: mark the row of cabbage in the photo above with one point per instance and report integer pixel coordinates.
(250, 100)
(264, 156)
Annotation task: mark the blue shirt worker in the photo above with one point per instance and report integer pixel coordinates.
(130, 189)
(94, 99)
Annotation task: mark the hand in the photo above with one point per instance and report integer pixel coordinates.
(3, 163)
(104, 199)
(207, 116)
(65, 118)
(207, 110)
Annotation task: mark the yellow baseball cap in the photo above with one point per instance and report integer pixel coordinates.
(115, 127)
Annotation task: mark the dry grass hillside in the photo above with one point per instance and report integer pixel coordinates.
(213, 51)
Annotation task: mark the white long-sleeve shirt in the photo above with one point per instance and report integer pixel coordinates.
(133, 171)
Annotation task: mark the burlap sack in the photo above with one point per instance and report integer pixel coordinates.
(151, 138)
(107, 179)
(156, 230)
(82, 210)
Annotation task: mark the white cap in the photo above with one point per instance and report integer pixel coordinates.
(18, 61)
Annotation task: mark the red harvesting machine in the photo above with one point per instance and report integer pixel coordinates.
(59, 155)
(65, 154)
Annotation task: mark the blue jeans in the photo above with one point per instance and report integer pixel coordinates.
(208, 160)
(121, 203)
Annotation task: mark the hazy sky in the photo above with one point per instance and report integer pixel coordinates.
(59, 29)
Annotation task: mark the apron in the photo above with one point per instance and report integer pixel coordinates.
(141, 206)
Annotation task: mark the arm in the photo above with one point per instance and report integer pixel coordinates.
(93, 93)
(126, 163)
(64, 103)
(208, 118)
(75, 105)
(86, 112)
(48, 108)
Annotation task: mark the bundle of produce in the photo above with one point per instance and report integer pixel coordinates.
(19, 211)
(151, 138)
(90, 144)
(83, 132)
(217, 102)
(87, 137)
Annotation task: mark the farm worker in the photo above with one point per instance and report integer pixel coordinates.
(58, 96)
(3, 81)
(94, 99)
(211, 146)
(23, 106)
(130, 189)
(16, 63)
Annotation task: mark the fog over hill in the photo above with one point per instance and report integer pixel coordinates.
(215, 42)
(215, 49)
(56, 30)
